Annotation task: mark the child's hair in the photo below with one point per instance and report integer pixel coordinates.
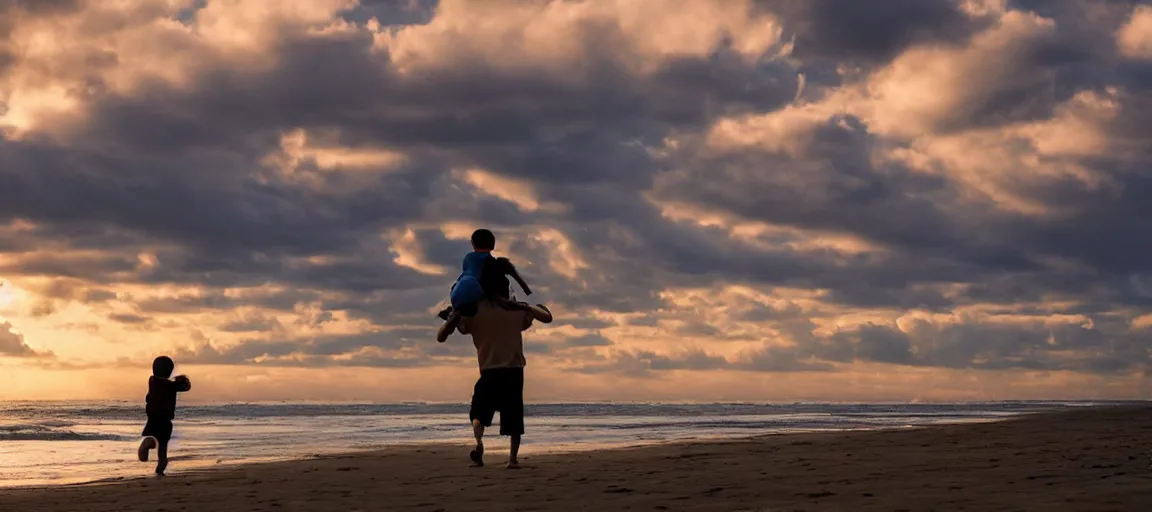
(162, 367)
(483, 240)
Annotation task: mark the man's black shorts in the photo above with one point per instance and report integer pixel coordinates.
(161, 429)
(500, 389)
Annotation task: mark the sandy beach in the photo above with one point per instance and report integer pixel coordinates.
(1089, 459)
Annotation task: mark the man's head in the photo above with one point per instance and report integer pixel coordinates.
(163, 366)
(483, 240)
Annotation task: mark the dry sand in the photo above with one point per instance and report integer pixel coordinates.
(1090, 459)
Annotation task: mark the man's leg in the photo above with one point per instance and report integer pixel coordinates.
(512, 412)
(480, 413)
(513, 450)
(477, 454)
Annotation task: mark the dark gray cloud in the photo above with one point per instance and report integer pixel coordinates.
(181, 173)
(874, 32)
(1104, 348)
(642, 363)
(129, 318)
(252, 323)
(784, 359)
(588, 340)
(397, 347)
(392, 12)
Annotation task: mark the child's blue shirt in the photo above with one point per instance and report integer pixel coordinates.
(474, 263)
(467, 289)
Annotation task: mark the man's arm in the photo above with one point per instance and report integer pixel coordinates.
(463, 326)
(537, 312)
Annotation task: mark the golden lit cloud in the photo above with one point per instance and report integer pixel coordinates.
(1135, 37)
(513, 191)
(928, 85)
(409, 254)
(297, 147)
(251, 28)
(551, 35)
(766, 236)
(789, 130)
(308, 159)
(993, 162)
(565, 259)
(67, 60)
(978, 8)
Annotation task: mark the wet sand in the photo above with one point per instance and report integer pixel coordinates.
(1089, 459)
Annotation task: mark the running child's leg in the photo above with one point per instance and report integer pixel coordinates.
(146, 445)
(161, 456)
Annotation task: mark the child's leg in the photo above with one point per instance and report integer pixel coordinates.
(161, 456)
(146, 445)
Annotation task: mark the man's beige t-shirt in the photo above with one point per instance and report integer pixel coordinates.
(496, 333)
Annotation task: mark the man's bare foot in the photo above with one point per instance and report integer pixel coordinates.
(477, 456)
(512, 464)
(146, 444)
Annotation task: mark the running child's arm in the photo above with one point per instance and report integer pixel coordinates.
(178, 384)
(182, 383)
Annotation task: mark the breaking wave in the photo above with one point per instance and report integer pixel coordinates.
(51, 432)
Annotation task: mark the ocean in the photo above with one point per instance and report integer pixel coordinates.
(45, 443)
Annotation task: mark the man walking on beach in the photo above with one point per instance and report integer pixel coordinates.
(496, 331)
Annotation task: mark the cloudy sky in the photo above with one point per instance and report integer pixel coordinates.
(721, 199)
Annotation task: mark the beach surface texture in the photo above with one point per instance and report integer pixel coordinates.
(1087, 459)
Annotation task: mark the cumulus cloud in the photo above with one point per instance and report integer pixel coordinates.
(869, 33)
(731, 186)
(12, 343)
(1135, 37)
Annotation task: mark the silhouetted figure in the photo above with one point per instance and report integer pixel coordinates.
(496, 326)
(161, 410)
(481, 274)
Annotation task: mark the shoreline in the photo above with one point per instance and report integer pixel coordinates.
(499, 447)
(1091, 458)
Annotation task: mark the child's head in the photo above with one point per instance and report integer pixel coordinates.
(162, 367)
(483, 240)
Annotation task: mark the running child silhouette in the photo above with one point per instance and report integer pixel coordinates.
(161, 409)
(468, 290)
